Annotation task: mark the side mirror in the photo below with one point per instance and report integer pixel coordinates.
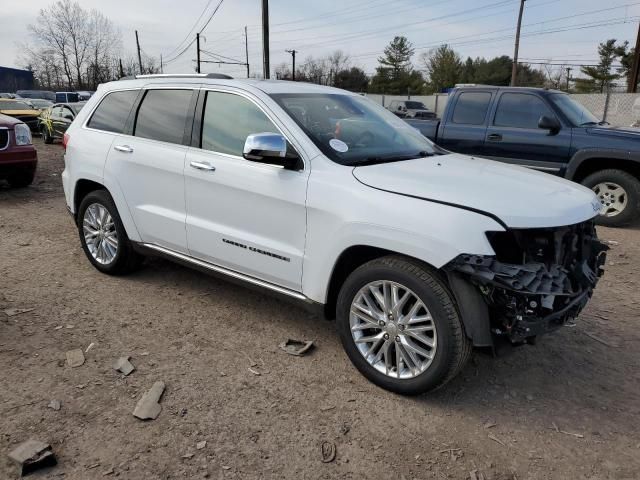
(549, 123)
(270, 148)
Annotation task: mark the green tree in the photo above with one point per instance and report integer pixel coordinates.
(600, 76)
(443, 66)
(395, 74)
(353, 79)
(468, 71)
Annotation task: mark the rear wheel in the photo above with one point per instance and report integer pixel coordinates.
(399, 326)
(619, 194)
(103, 237)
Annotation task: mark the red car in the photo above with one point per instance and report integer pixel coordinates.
(18, 156)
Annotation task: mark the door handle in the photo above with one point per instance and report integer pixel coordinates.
(495, 137)
(202, 166)
(123, 148)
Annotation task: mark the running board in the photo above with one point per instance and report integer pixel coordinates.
(210, 267)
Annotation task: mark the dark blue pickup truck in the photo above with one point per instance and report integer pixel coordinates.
(545, 130)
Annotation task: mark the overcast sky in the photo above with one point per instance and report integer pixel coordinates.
(556, 30)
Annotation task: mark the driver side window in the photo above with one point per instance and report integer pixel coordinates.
(228, 120)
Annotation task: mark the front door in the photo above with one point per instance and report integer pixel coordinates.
(242, 215)
(149, 166)
(513, 135)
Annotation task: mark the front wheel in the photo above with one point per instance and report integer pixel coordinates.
(619, 194)
(399, 326)
(103, 237)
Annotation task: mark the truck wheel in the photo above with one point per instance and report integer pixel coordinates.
(619, 193)
(399, 326)
(103, 237)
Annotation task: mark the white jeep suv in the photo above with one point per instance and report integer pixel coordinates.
(323, 197)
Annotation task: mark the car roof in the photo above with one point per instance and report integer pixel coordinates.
(267, 86)
(7, 121)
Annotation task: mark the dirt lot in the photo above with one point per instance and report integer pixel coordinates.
(201, 335)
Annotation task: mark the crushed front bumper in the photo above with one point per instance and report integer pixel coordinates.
(538, 280)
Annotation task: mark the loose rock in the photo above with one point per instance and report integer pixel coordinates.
(32, 455)
(75, 358)
(201, 445)
(148, 407)
(124, 366)
(55, 405)
(296, 347)
(12, 312)
(328, 452)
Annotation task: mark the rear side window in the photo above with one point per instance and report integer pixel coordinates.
(228, 120)
(471, 108)
(163, 115)
(520, 110)
(112, 113)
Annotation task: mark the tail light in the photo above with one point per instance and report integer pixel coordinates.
(65, 141)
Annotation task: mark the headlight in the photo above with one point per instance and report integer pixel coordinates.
(23, 134)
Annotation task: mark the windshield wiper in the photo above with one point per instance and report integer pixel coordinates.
(391, 158)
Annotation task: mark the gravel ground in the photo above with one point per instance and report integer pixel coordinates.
(566, 408)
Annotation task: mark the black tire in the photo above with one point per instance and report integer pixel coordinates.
(126, 259)
(453, 347)
(629, 183)
(22, 178)
(46, 137)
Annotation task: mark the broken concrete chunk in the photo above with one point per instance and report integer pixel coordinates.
(75, 358)
(55, 405)
(296, 347)
(124, 366)
(148, 407)
(201, 445)
(32, 455)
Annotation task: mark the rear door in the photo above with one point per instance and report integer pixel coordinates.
(245, 216)
(148, 164)
(514, 137)
(465, 125)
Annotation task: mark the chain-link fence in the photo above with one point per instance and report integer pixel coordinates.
(619, 109)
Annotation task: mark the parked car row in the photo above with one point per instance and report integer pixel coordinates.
(544, 130)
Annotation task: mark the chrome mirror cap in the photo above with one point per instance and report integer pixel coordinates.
(259, 146)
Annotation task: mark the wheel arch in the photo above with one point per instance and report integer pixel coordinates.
(586, 162)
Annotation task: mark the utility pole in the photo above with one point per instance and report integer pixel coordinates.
(246, 49)
(139, 56)
(635, 70)
(161, 67)
(293, 57)
(121, 69)
(514, 69)
(265, 38)
(568, 76)
(198, 52)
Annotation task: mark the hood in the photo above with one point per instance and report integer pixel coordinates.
(519, 197)
(12, 113)
(621, 132)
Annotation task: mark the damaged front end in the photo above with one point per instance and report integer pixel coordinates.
(538, 280)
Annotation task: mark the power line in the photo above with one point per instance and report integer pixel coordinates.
(188, 35)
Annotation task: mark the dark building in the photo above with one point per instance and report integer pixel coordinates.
(12, 79)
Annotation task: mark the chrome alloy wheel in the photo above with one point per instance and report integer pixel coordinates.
(100, 233)
(393, 329)
(612, 197)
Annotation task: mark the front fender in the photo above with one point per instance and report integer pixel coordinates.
(585, 154)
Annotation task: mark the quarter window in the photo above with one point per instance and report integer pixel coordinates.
(112, 113)
(228, 120)
(519, 110)
(163, 114)
(471, 108)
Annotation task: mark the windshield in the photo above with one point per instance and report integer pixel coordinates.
(577, 114)
(40, 103)
(415, 105)
(4, 105)
(353, 130)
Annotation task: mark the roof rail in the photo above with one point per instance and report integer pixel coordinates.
(182, 75)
